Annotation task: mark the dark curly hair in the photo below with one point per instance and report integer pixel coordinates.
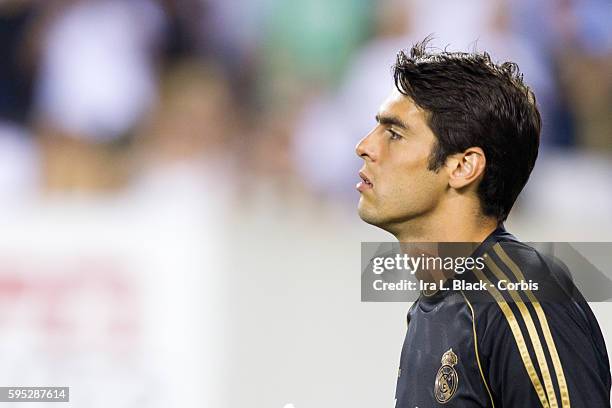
(473, 102)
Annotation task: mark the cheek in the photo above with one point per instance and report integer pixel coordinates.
(412, 184)
(410, 190)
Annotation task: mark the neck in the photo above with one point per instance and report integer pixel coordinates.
(450, 225)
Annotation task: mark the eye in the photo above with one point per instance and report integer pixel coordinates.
(393, 135)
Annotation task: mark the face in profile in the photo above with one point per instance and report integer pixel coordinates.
(396, 185)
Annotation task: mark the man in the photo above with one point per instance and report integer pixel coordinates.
(454, 144)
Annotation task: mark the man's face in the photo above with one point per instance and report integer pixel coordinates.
(396, 184)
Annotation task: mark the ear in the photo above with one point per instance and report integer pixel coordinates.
(465, 168)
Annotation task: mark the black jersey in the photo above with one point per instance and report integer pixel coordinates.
(504, 348)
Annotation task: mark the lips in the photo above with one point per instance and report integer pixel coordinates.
(365, 183)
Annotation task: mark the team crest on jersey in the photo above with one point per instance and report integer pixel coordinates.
(447, 378)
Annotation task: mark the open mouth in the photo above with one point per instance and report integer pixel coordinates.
(365, 182)
(365, 179)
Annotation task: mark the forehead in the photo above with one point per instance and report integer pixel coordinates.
(402, 106)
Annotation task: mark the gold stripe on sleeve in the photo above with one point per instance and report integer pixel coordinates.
(518, 336)
(533, 333)
(484, 380)
(550, 342)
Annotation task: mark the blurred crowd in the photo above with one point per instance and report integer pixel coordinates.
(266, 94)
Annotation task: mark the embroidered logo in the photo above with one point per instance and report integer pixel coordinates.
(447, 378)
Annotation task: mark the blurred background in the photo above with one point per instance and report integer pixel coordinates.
(177, 178)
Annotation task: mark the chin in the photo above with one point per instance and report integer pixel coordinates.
(369, 216)
(385, 222)
(364, 213)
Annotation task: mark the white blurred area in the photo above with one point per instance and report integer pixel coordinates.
(112, 298)
(96, 77)
(178, 217)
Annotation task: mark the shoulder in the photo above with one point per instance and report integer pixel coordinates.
(526, 286)
(545, 334)
(521, 272)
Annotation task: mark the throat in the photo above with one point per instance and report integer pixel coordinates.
(449, 229)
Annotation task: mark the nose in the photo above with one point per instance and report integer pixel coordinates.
(365, 147)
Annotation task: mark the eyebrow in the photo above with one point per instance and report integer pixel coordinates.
(391, 121)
